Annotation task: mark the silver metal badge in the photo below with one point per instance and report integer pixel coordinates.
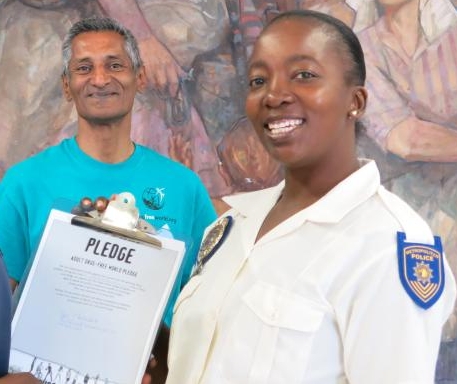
(213, 241)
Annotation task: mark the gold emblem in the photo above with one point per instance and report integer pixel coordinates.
(423, 273)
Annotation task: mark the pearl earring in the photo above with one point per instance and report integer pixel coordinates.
(353, 113)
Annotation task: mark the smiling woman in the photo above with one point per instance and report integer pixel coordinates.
(301, 105)
(304, 107)
(306, 277)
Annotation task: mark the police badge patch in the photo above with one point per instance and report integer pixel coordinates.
(421, 270)
(213, 241)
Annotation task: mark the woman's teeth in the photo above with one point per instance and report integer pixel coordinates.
(283, 126)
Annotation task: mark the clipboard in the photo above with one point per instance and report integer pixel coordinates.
(93, 302)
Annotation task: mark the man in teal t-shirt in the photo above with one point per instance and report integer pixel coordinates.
(102, 72)
(168, 195)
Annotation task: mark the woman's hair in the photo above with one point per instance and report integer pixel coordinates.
(345, 39)
(101, 24)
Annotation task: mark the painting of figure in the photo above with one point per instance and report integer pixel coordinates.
(195, 55)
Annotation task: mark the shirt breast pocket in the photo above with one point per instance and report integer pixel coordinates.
(287, 325)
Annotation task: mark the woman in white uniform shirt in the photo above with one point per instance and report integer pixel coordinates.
(328, 277)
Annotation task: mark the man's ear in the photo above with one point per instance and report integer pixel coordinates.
(66, 88)
(141, 79)
(359, 102)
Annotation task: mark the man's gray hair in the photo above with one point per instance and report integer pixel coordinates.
(100, 24)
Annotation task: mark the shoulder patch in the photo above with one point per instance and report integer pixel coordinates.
(421, 270)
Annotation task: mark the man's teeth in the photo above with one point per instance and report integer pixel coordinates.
(283, 126)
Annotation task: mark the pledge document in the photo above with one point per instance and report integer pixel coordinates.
(92, 305)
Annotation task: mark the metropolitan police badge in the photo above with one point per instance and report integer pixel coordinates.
(421, 270)
(213, 241)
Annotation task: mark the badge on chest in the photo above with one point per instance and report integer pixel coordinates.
(212, 241)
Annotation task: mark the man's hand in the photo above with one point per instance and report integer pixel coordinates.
(157, 370)
(147, 378)
(19, 378)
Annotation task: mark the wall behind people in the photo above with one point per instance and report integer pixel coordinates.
(196, 53)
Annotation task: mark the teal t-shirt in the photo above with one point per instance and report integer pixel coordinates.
(168, 195)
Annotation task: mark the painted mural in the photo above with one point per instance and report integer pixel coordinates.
(195, 54)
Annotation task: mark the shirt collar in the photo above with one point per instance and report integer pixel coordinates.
(331, 208)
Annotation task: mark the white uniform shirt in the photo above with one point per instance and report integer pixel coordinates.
(318, 299)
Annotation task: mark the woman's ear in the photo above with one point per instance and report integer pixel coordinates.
(359, 102)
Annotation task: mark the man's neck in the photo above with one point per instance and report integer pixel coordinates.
(106, 143)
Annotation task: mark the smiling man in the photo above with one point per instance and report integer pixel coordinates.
(102, 73)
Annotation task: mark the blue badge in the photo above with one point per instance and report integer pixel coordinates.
(421, 270)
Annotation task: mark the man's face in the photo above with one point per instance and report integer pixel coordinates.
(101, 79)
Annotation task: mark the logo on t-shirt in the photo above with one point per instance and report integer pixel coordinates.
(154, 197)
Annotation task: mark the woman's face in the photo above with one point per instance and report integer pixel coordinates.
(299, 101)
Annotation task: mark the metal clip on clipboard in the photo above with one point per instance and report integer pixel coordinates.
(118, 216)
(129, 234)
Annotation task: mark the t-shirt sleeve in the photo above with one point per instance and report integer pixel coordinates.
(13, 243)
(204, 215)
